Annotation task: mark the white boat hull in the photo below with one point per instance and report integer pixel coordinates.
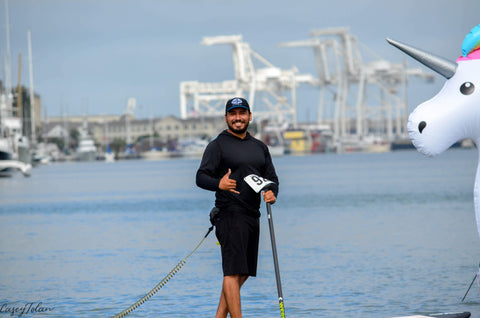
(155, 155)
(87, 156)
(6, 166)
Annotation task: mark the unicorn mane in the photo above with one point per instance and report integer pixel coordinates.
(471, 42)
(474, 55)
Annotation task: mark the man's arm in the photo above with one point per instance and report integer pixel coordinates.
(206, 177)
(270, 174)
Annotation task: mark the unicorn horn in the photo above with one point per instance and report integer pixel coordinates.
(440, 65)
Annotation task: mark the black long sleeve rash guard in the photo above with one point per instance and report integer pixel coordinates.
(244, 157)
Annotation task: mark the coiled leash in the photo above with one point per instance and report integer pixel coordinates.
(175, 270)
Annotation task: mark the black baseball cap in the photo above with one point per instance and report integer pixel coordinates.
(236, 102)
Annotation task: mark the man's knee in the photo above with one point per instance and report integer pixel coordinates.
(237, 278)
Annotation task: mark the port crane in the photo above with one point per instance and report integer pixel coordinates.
(270, 90)
(357, 98)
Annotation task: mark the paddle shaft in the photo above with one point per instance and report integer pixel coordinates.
(473, 280)
(275, 260)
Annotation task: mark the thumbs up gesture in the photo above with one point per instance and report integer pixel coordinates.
(228, 184)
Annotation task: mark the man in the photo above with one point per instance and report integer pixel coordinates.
(233, 155)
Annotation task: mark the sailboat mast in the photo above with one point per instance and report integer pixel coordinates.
(19, 88)
(32, 94)
(8, 71)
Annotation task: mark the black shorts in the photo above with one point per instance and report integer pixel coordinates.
(238, 232)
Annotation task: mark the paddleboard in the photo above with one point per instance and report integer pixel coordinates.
(465, 314)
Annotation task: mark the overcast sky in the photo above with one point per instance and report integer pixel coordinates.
(91, 55)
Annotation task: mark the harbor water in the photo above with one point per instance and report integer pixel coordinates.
(358, 235)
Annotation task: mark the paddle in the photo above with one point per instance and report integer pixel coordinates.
(473, 280)
(258, 184)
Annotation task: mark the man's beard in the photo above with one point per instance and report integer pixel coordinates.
(238, 131)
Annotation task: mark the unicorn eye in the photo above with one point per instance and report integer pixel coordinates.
(467, 88)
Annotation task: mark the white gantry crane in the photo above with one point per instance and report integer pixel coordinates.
(357, 99)
(270, 90)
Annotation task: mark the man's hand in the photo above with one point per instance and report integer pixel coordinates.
(228, 184)
(269, 197)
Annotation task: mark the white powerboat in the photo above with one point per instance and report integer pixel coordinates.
(86, 150)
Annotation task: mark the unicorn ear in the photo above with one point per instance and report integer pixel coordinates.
(438, 64)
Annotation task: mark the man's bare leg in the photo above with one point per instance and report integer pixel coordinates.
(230, 297)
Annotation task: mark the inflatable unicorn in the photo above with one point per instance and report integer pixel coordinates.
(454, 113)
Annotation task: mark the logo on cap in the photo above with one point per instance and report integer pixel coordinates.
(237, 101)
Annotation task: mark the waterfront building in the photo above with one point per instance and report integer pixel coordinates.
(105, 129)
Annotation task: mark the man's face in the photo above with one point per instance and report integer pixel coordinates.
(238, 119)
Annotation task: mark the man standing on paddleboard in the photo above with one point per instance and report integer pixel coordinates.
(230, 157)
